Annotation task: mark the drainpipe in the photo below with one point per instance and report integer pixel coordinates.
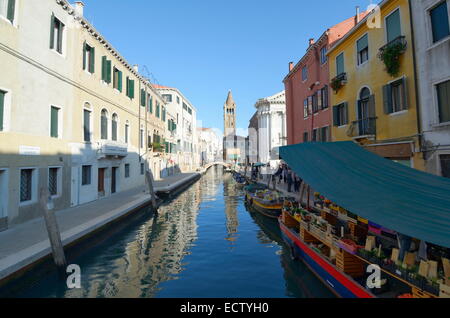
(416, 88)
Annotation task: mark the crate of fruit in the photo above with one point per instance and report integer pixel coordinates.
(349, 246)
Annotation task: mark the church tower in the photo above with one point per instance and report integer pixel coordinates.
(229, 115)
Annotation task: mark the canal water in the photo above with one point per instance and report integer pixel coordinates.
(203, 243)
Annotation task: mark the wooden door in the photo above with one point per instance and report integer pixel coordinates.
(101, 181)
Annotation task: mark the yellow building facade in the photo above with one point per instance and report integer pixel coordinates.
(372, 75)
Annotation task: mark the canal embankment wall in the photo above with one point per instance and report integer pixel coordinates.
(26, 245)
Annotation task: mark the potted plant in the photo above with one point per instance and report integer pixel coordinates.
(390, 56)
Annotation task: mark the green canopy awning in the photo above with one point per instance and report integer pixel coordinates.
(394, 196)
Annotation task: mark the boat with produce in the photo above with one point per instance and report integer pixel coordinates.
(240, 180)
(265, 201)
(345, 236)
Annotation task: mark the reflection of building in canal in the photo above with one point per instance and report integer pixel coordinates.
(211, 183)
(231, 200)
(155, 254)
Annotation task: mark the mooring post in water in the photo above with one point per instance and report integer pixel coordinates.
(54, 235)
(149, 179)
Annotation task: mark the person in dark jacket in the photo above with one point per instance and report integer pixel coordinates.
(289, 179)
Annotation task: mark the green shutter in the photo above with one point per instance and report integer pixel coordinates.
(11, 10)
(346, 114)
(393, 28)
(131, 89)
(340, 64)
(60, 37)
(119, 78)
(84, 55)
(54, 122)
(405, 93)
(92, 61)
(108, 72)
(104, 62)
(163, 114)
(387, 99)
(52, 31)
(151, 105)
(362, 43)
(143, 96)
(336, 116)
(2, 106)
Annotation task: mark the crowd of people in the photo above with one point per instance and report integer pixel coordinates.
(283, 174)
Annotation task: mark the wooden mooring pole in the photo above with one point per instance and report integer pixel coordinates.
(54, 235)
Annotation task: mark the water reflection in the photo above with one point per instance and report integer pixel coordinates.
(181, 252)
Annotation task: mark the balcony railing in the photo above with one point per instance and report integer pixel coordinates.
(339, 81)
(113, 148)
(399, 41)
(366, 126)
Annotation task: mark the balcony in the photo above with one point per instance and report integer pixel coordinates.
(109, 148)
(158, 147)
(338, 81)
(365, 127)
(399, 42)
(390, 54)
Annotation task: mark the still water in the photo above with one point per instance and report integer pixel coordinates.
(203, 243)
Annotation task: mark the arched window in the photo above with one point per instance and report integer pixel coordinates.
(365, 93)
(114, 127)
(104, 124)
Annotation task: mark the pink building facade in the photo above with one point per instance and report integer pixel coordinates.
(308, 112)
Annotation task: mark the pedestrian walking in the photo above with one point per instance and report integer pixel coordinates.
(289, 179)
(297, 183)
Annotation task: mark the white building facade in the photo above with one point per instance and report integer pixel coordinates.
(271, 116)
(431, 20)
(210, 145)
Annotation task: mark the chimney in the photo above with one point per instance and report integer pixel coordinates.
(311, 41)
(357, 15)
(79, 8)
(291, 66)
(136, 68)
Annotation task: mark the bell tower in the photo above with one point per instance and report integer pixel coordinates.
(229, 114)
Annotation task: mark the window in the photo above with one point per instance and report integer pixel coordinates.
(439, 22)
(163, 117)
(127, 131)
(130, 88)
(304, 73)
(443, 99)
(363, 49)
(106, 70)
(157, 110)
(314, 135)
(315, 104)
(86, 175)
(2, 108)
(324, 97)
(127, 170)
(168, 98)
(393, 28)
(445, 165)
(54, 114)
(88, 58)
(141, 138)
(190, 111)
(56, 34)
(26, 185)
(185, 107)
(340, 114)
(117, 79)
(87, 125)
(142, 169)
(8, 9)
(178, 100)
(104, 125)
(114, 127)
(305, 136)
(340, 64)
(305, 108)
(323, 55)
(53, 181)
(325, 134)
(149, 141)
(150, 104)
(395, 96)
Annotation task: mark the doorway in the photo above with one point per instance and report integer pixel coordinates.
(114, 180)
(101, 182)
(3, 199)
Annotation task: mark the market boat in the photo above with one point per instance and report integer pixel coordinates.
(344, 249)
(265, 201)
(240, 180)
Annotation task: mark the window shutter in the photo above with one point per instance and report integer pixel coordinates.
(92, 61)
(54, 122)
(372, 111)
(11, 10)
(60, 37)
(52, 31)
(319, 99)
(119, 78)
(387, 99)
(336, 116)
(2, 103)
(345, 121)
(84, 55)
(405, 93)
(87, 124)
(151, 105)
(362, 43)
(393, 26)
(104, 68)
(108, 72)
(325, 97)
(143, 97)
(131, 89)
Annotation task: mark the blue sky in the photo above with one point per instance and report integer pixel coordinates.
(206, 47)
